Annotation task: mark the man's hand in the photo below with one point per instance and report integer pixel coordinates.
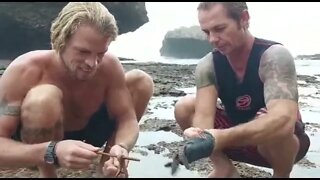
(199, 144)
(116, 167)
(193, 132)
(75, 154)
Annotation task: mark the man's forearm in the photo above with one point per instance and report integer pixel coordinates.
(255, 132)
(203, 123)
(127, 134)
(17, 154)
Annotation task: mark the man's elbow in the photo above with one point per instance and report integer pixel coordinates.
(284, 115)
(287, 126)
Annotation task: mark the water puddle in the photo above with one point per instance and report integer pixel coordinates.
(161, 108)
(146, 138)
(152, 165)
(311, 115)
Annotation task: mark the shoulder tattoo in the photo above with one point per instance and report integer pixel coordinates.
(205, 73)
(278, 73)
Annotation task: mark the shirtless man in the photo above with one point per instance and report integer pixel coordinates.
(53, 100)
(259, 122)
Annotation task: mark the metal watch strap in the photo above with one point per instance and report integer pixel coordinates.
(52, 151)
(56, 162)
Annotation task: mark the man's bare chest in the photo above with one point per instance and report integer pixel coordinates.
(83, 101)
(80, 106)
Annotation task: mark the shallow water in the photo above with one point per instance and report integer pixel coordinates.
(162, 108)
(152, 166)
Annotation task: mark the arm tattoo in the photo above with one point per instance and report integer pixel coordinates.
(7, 110)
(204, 73)
(278, 73)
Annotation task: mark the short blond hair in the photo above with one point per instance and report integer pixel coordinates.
(77, 13)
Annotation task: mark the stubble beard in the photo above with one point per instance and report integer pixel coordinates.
(67, 68)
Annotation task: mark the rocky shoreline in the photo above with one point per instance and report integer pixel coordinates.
(168, 78)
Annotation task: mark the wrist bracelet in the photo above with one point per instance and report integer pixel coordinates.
(123, 146)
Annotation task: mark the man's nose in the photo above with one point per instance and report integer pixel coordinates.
(91, 62)
(213, 39)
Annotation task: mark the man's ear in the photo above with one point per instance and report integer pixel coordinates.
(244, 21)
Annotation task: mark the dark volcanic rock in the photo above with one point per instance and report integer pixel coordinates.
(167, 77)
(311, 57)
(25, 26)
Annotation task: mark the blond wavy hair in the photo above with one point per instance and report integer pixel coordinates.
(76, 13)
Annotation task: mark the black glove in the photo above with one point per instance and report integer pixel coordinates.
(198, 148)
(193, 150)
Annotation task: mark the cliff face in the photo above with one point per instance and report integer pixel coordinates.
(185, 43)
(25, 26)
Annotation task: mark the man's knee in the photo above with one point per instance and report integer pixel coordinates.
(281, 154)
(42, 107)
(272, 147)
(184, 110)
(139, 81)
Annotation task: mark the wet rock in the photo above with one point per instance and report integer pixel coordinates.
(308, 57)
(308, 79)
(155, 148)
(136, 149)
(167, 77)
(306, 163)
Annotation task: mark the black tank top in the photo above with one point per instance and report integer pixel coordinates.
(241, 100)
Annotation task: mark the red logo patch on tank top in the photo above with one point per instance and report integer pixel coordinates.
(243, 102)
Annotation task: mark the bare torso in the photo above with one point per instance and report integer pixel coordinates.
(80, 98)
(79, 103)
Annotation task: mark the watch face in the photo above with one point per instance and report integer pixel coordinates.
(49, 159)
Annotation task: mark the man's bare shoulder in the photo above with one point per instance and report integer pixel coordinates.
(205, 61)
(111, 63)
(277, 53)
(275, 59)
(204, 72)
(277, 72)
(33, 58)
(27, 67)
